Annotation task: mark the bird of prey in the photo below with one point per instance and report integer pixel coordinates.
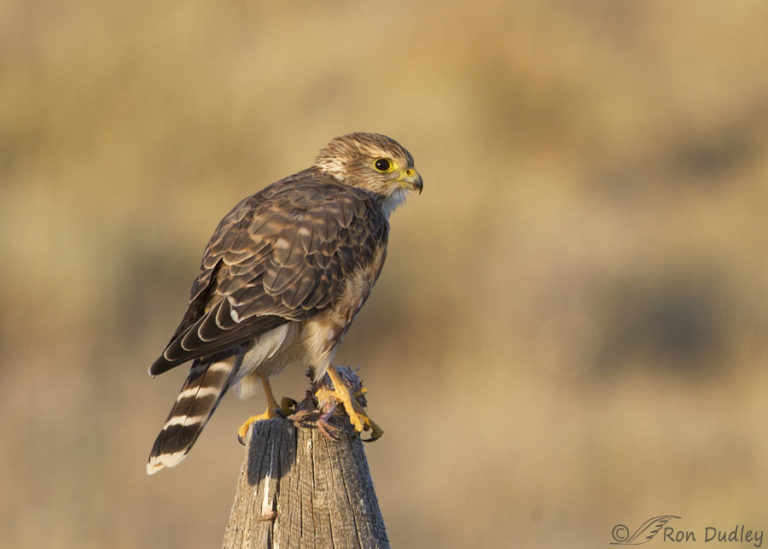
(280, 282)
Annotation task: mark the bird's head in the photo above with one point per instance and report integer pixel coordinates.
(373, 162)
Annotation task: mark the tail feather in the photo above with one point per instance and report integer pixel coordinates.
(201, 393)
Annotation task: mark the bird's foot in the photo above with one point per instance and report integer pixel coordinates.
(270, 413)
(352, 402)
(371, 426)
(286, 407)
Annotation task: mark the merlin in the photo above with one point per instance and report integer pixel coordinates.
(281, 280)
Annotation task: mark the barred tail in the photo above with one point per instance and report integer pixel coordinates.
(207, 382)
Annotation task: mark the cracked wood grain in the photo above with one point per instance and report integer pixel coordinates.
(299, 488)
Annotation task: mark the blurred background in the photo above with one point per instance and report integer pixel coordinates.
(569, 332)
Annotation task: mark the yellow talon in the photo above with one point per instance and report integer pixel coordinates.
(376, 431)
(341, 393)
(269, 413)
(357, 416)
(242, 432)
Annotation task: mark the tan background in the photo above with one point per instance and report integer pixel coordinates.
(570, 329)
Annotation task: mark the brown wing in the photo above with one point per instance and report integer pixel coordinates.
(280, 255)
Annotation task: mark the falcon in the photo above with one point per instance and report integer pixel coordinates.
(281, 280)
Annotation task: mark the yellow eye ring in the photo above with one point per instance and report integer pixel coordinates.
(382, 165)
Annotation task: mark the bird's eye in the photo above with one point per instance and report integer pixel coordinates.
(382, 164)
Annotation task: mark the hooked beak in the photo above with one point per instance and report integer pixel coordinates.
(411, 180)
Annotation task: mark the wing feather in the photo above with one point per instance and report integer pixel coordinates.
(280, 255)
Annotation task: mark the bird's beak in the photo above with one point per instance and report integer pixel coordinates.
(411, 180)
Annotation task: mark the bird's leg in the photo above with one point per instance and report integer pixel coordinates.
(357, 416)
(269, 413)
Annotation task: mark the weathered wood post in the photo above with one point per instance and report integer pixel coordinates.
(300, 487)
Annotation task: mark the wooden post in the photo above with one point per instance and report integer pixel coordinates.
(300, 487)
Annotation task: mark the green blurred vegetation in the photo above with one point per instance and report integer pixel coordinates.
(570, 328)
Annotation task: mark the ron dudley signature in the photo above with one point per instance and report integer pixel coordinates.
(659, 529)
(739, 534)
